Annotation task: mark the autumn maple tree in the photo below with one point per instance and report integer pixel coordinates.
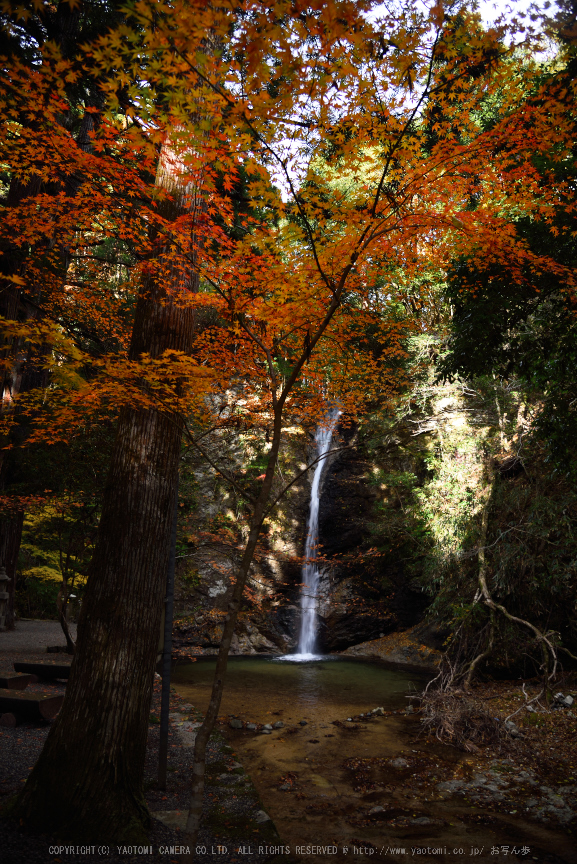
(359, 146)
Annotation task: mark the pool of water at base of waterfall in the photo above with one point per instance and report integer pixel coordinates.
(300, 688)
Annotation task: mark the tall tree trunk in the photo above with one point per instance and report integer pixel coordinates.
(87, 783)
(10, 536)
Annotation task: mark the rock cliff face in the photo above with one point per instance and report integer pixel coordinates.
(212, 533)
(361, 598)
(353, 609)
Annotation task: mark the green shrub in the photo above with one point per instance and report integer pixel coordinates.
(36, 593)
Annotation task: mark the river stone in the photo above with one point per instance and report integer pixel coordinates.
(525, 777)
(374, 810)
(261, 816)
(321, 782)
(265, 731)
(251, 726)
(187, 732)
(450, 786)
(235, 723)
(399, 762)
(278, 725)
(378, 711)
(303, 722)
(512, 729)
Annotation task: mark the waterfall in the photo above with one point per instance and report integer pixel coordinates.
(311, 575)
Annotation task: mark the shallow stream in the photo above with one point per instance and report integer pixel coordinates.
(374, 786)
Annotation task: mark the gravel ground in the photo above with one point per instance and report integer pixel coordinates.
(31, 637)
(233, 812)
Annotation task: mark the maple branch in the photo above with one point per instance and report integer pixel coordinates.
(213, 465)
(268, 355)
(403, 131)
(301, 473)
(262, 141)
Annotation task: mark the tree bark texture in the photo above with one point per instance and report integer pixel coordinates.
(87, 783)
(10, 536)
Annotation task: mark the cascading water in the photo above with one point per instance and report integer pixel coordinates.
(311, 575)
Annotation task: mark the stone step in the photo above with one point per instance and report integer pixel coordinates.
(15, 680)
(44, 671)
(30, 706)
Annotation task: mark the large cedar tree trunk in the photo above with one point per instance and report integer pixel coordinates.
(10, 536)
(87, 783)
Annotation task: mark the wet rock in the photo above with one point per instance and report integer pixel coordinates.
(450, 786)
(422, 820)
(285, 787)
(399, 762)
(235, 723)
(267, 727)
(479, 780)
(303, 722)
(374, 810)
(415, 651)
(525, 777)
(495, 777)
(278, 725)
(251, 726)
(265, 731)
(342, 629)
(378, 711)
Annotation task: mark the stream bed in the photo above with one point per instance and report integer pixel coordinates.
(370, 786)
